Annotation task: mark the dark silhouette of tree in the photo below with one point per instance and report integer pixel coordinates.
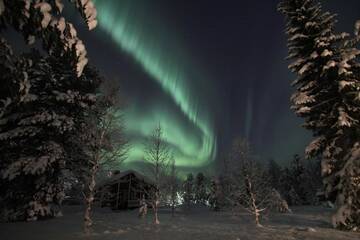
(201, 194)
(173, 185)
(274, 171)
(188, 187)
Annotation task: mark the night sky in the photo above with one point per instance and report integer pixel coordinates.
(208, 71)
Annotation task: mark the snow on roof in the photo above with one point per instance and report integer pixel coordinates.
(117, 176)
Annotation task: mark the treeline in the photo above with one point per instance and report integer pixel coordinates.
(241, 183)
(244, 183)
(299, 183)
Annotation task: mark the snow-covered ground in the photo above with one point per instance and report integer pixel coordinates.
(200, 223)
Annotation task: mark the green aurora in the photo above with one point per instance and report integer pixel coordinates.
(144, 37)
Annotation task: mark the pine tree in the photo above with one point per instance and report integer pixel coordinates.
(41, 101)
(188, 187)
(224, 182)
(312, 182)
(286, 185)
(215, 195)
(297, 178)
(200, 188)
(327, 97)
(43, 20)
(274, 171)
(300, 181)
(34, 132)
(173, 185)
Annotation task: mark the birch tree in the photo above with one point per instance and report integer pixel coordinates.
(157, 155)
(106, 145)
(250, 185)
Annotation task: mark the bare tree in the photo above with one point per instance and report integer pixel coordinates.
(157, 156)
(250, 186)
(107, 146)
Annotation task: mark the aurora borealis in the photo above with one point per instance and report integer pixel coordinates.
(207, 71)
(167, 63)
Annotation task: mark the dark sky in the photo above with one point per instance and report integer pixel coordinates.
(238, 49)
(243, 44)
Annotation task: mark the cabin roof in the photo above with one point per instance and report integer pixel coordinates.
(116, 177)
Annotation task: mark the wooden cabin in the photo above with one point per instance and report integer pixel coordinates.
(124, 190)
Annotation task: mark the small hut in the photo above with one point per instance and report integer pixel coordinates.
(124, 190)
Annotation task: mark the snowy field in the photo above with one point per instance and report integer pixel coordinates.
(304, 223)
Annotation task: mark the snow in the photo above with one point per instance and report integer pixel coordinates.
(310, 24)
(2, 7)
(314, 55)
(303, 110)
(45, 9)
(302, 98)
(326, 53)
(305, 68)
(344, 84)
(298, 36)
(315, 145)
(344, 118)
(329, 64)
(200, 223)
(90, 12)
(357, 28)
(59, 5)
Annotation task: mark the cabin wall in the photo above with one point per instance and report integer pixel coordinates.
(125, 193)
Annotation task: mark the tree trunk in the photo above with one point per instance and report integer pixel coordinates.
(89, 199)
(156, 216)
(255, 208)
(156, 206)
(257, 218)
(173, 210)
(173, 196)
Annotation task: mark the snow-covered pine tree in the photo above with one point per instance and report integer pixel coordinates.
(277, 203)
(327, 97)
(42, 112)
(43, 20)
(41, 100)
